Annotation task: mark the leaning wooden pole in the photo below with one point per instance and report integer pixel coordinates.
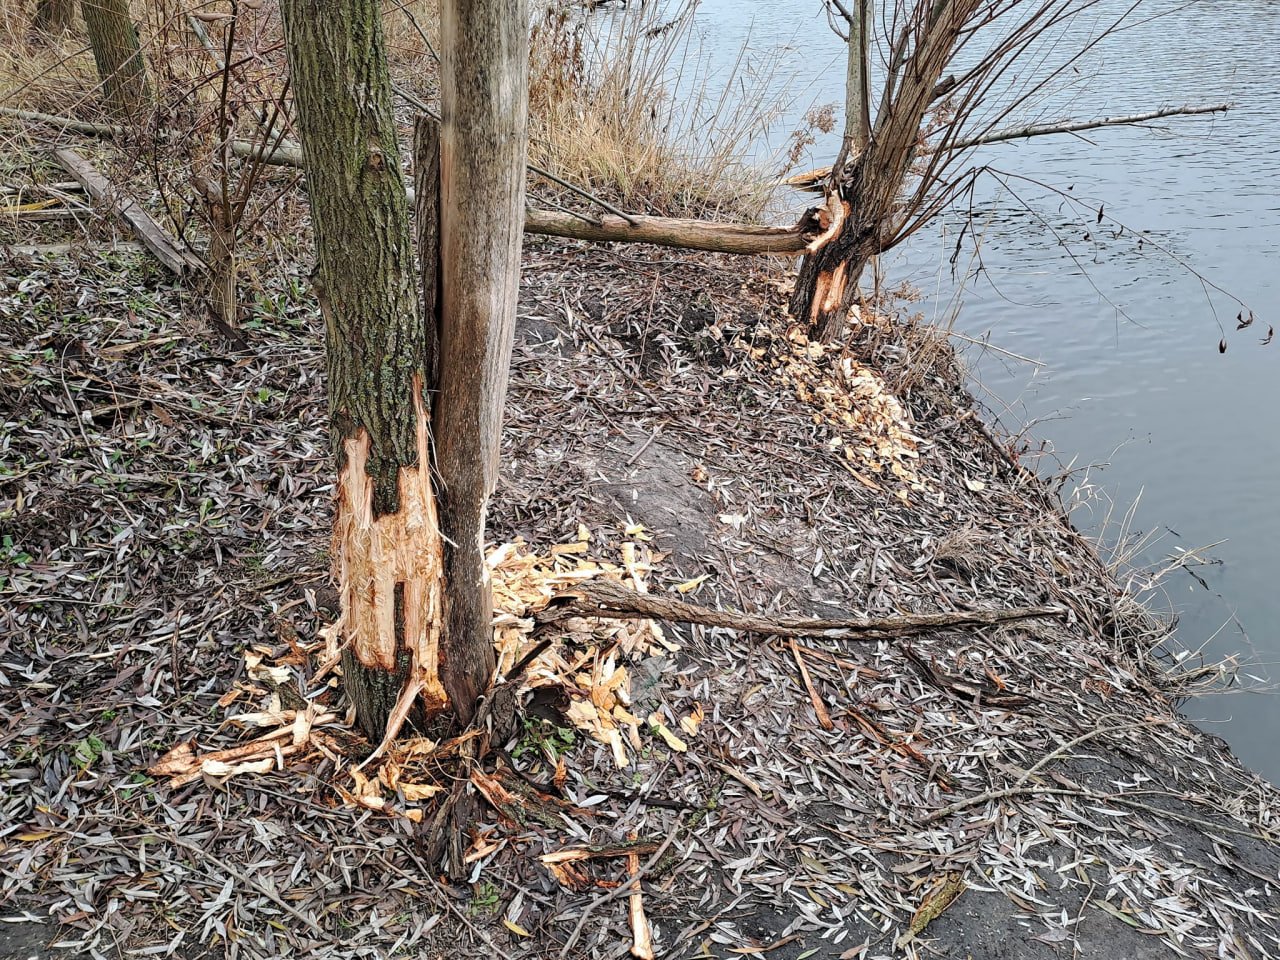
(483, 105)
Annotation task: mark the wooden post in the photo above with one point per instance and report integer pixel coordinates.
(483, 139)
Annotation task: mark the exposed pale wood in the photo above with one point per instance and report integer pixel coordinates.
(641, 936)
(670, 232)
(483, 107)
(167, 250)
(607, 598)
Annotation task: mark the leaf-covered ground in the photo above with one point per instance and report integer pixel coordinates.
(164, 509)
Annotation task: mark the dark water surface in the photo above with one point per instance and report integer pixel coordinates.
(1132, 376)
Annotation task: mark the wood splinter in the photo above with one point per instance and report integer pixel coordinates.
(641, 935)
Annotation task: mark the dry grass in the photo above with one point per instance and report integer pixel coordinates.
(621, 102)
(628, 106)
(50, 74)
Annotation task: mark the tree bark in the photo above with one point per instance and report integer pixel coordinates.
(54, 16)
(483, 140)
(857, 84)
(387, 548)
(121, 66)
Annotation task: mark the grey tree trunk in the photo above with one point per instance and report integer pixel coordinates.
(387, 547)
(121, 67)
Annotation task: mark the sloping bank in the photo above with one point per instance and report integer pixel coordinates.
(1042, 769)
(1022, 791)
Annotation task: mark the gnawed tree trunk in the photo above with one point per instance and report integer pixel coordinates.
(388, 552)
(863, 195)
(484, 94)
(54, 16)
(121, 67)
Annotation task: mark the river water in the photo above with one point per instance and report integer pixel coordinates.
(1161, 434)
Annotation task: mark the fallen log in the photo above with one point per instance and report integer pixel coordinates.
(670, 232)
(168, 251)
(282, 155)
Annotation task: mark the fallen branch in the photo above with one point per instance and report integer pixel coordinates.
(815, 180)
(63, 249)
(608, 598)
(625, 889)
(611, 228)
(167, 250)
(282, 155)
(968, 691)
(45, 216)
(670, 232)
(819, 708)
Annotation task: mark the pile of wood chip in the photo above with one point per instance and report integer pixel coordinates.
(587, 667)
(589, 662)
(872, 427)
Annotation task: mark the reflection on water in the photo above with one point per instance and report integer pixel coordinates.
(1128, 334)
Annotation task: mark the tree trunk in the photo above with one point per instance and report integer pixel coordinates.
(862, 200)
(121, 67)
(387, 547)
(54, 16)
(857, 84)
(483, 108)
(827, 284)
